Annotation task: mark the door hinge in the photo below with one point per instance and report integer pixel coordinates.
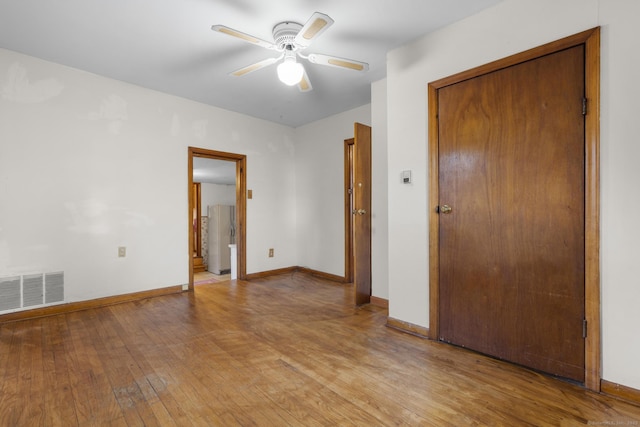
(584, 328)
(584, 106)
(350, 191)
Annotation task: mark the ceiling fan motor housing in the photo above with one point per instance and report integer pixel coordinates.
(284, 34)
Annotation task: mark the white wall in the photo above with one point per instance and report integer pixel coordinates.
(320, 189)
(620, 198)
(216, 194)
(379, 189)
(88, 164)
(510, 27)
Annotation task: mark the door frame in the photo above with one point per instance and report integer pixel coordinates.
(591, 40)
(348, 207)
(241, 205)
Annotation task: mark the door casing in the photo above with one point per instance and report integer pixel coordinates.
(591, 40)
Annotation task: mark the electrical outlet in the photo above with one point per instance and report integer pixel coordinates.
(270, 252)
(122, 251)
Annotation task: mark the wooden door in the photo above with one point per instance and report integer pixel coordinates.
(511, 169)
(362, 213)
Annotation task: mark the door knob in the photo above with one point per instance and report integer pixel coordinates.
(359, 211)
(445, 209)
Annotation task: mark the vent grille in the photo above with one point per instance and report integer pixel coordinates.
(31, 290)
(9, 293)
(55, 287)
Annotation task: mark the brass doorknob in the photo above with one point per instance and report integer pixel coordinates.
(445, 209)
(361, 212)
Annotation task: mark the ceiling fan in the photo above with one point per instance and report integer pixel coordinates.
(290, 38)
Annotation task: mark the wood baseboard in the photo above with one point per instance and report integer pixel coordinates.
(407, 327)
(289, 270)
(86, 305)
(379, 302)
(620, 391)
(322, 275)
(268, 273)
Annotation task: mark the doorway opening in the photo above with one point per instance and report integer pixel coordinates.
(216, 169)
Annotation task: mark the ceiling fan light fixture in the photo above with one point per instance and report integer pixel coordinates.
(290, 72)
(289, 39)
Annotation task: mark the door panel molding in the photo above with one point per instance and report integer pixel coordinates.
(591, 40)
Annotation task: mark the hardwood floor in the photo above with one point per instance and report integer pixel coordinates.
(207, 277)
(286, 350)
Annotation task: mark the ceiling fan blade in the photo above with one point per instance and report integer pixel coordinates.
(254, 67)
(305, 83)
(334, 61)
(243, 36)
(316, 25)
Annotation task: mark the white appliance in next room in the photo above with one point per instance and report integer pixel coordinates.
(222, 233)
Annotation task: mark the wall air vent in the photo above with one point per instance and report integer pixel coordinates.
(9, 293)
(54, 285)
(31, 290)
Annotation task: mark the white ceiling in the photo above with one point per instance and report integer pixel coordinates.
(168, 45)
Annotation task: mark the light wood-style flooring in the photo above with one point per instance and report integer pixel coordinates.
(289, 350)
(207, 277)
